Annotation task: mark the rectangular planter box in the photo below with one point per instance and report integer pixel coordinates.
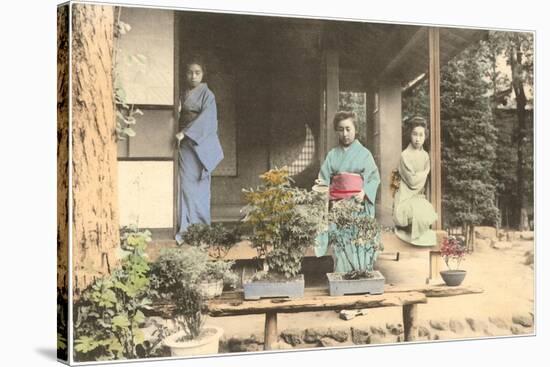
(266, 289)
(339, 286)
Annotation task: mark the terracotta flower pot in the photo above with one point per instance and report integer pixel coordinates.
(453, 278)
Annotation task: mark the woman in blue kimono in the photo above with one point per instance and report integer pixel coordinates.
(199, 147)
(349, 157)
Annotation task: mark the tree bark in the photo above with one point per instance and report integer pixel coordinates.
(94, 175)
(62, 177)
(62, 147)
(516, 65)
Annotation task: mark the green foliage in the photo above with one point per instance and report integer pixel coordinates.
(350, 225)
(284, 221)
(189, 310)
(217, 239)
(512, 89)
(62, 319)
(109, 315)
(125, 114)
(177, 275)
(469, 143)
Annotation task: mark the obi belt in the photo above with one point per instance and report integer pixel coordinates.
(345, 185)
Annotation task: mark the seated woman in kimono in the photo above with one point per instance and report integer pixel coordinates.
(350, 170)
(199, 147)
(412, 212)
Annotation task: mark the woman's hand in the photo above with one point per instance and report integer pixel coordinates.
(180, 136)
(360, 196)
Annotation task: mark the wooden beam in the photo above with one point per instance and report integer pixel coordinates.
(403, 56)
(320, 303)
(232, 303)
(435, 123)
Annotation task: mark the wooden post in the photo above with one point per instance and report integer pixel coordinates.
(435, 123)
(435, 265)
(410, 317)
(270, 332)
(333, 89)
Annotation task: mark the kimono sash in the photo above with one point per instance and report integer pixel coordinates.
(345, 185)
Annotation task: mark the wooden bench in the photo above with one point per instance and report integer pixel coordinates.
(317, 299)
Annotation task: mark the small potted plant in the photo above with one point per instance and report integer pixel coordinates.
(284, 221)
(216, 240)
(176, 276)
(356, 236)
(453, 250)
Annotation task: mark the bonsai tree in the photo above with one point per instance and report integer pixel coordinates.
(216, 238)
(284, 221)
(453, 250)
(176, 277)
(356, 235)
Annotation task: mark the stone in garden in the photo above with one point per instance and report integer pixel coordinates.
(439, 325)
(351, 314)
(253, 347)
(523, 320)
(481, 243)
(529, 257)
(281, 345)
(485, 232)
(235, 345)
(338, 335)
(395, 329)
(377, 339)
(424, 332)
(328, 342)
(498, 322)
(456, 326)
(436, 337)
(517, 330)
(359, 336)
(378, 330)
(501, 245)
(313, 335)
(527, 235)
(292, 336)
(477, 325)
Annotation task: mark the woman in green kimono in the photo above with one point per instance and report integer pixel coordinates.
(412, 212)
(349, 157)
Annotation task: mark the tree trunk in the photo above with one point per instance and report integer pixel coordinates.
(94, 174)
(62, 147)
(521, 100)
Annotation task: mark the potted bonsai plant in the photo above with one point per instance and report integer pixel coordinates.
(453, 250)
(356, 236)
(216, 240)
(284, 221)
(176, 277)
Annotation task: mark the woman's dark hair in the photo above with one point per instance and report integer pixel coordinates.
(416, 121)
(344, 115)
(195, 59)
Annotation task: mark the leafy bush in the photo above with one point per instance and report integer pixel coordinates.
(177, 277)
(217, 239)
(349, 225)
(109, 314)
(284, 221)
